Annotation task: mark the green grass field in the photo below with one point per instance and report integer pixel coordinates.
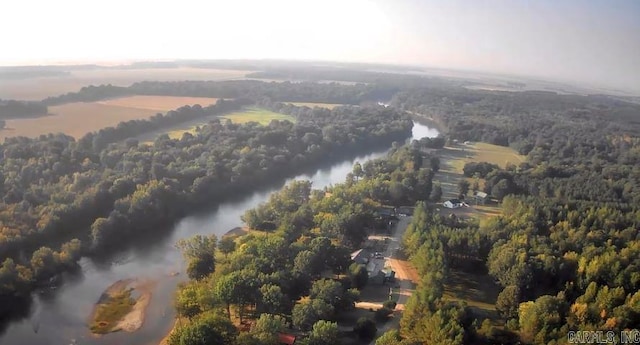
(452, 161)
(262, 116)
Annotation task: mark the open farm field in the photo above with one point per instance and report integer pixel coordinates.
(261, 116)
(42, 87)
(78, 119)
(312, 105)
(158, 103)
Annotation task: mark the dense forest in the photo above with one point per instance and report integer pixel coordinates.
(565, 249)
(62, 198)
(297, 272)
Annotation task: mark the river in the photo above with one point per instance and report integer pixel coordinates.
(60, 316)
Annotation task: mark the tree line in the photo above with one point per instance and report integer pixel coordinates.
(11, 109)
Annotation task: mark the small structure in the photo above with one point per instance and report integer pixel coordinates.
(453, 203)
(481, 197)
(286, 339)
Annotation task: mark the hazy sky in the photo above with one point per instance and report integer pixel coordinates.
(595, 42)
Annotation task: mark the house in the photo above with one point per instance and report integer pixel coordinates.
(286, 339)
(481, 197)
(385, 212)
(453, 203)
(361, 256)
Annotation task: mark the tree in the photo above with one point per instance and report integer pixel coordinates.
(225, 290)
(267, 327)
(200, 251)
(303, 316)
(436, 193)
(475, 187)
(540, 320)
(365, 328)
(357, 170)
(207, 330)
(227, 245)
(508, 301)
(358, 275)
(186, 302)
(501, 189)
(272, 298)
(324, 332)
(463, 187)
(391, 337)
(435, 164)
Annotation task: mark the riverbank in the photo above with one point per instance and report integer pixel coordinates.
(429, 121)
(235, 233)
(121, 307)
(238, 231)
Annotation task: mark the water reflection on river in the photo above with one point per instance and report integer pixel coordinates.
(61, 316)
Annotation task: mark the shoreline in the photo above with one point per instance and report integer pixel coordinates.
(238, 231)
(134, 318)
(429, 121)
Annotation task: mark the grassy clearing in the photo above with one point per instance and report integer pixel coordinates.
(110, 310)
(452, 161)
(312, 105)
(261, 116)
(478, 291)
(482, 152)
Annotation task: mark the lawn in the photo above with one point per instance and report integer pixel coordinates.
(452, 161)
(313, 105)
(261, 116)
(78, 119)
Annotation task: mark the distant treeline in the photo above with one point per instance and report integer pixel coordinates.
(329, 74)
(10, 109)
(252, 89)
